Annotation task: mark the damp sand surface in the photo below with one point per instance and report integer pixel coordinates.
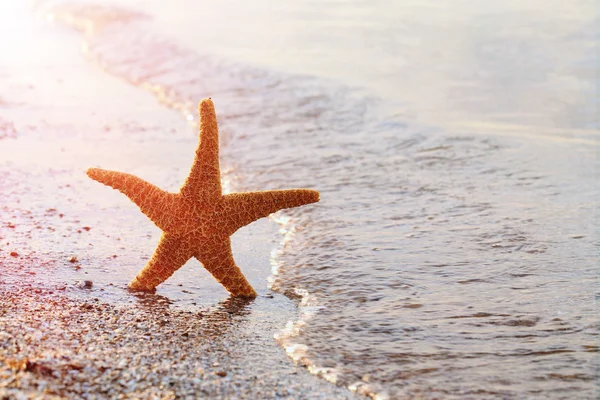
(57, 345)
(69, 328)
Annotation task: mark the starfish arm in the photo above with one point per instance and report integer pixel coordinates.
(169, 256)
(218, 260)
(204, 180)
(152, 201)
(244, 208)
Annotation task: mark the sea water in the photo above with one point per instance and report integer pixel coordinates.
(453, 253)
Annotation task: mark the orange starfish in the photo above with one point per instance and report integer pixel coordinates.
(198, 221)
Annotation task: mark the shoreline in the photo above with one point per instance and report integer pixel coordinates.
(54, 345)
(61, 337)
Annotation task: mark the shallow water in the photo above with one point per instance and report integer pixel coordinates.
(454, 250)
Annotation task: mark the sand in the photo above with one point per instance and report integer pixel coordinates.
(52, 345)
(68, 326)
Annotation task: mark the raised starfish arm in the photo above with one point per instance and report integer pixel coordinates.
(153, 201)
(247, 207)
(204, 180)
(169, 256)
(218, 260)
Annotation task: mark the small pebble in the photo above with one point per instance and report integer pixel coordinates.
(221, 373)
(86, 284)
(14, 254)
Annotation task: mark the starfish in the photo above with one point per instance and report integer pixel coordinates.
(199, 220)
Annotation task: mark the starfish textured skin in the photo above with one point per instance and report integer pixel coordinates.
(199, 220)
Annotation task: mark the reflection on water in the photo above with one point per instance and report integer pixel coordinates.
(443, 260)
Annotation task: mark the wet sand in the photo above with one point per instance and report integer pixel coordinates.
(54, 345)
(68, 325)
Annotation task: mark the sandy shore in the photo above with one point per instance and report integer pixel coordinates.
(52, 345)
(68, 246)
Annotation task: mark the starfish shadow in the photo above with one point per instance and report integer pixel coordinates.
(214, 322)
(152, 302)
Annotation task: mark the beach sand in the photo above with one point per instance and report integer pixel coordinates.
(53, 344)
(68, 247)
